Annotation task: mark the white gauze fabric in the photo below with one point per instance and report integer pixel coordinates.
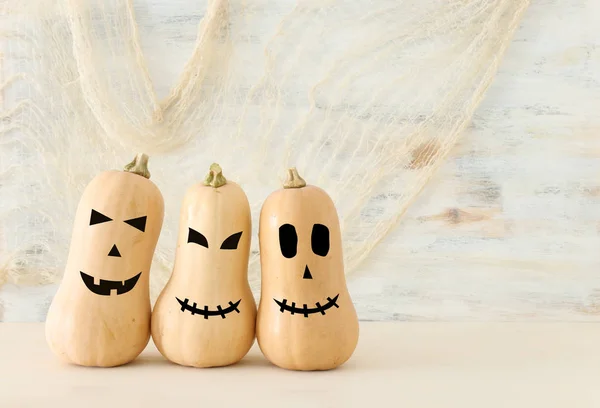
(365, 98)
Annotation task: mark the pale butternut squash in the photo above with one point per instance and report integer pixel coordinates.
(306, 319)
(100, 315)
(205, 316)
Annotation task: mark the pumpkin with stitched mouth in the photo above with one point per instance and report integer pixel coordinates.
(306, 319)
(100, 315)
(206, 314)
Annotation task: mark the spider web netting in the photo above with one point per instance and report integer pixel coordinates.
(365, 98)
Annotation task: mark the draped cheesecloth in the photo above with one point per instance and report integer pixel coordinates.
(365, 98)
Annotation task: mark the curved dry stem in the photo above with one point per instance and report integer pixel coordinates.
(215, 177)
(294, 180)
(139, 165)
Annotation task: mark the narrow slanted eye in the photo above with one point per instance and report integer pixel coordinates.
(232, 241)
(197, 238)
(139, 223)
(288, 240)
(98, 218)
(319, 239)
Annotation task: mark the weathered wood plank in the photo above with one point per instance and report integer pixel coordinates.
(509, 228)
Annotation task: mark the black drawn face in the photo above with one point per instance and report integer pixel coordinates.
(229, 244)
(320, 245)
(305, 310)
(206, 312)
(105, 287)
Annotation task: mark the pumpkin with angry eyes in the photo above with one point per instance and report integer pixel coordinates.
(206, 314)
(100, 315)
(306, 319)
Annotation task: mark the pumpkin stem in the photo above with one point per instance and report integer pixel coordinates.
(294, 180)
(139, 165)
(215, 177)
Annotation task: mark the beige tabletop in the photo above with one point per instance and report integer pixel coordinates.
(420, 365)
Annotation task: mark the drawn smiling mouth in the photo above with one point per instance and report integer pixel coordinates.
(306, 310)
(205, 311)
(105, 287)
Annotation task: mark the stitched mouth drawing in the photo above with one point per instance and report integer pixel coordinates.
(283, 306)
(206, 312)
(105, 287)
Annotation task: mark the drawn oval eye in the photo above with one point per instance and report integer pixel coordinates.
(319, 239)
(138, 223)
(232, 241)
(197, 238)
(288, 240)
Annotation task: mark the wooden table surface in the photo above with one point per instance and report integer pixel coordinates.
(420, 365)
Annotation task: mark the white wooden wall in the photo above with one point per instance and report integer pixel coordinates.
(510, 227)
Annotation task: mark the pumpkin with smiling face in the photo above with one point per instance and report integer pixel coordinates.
(206, 314)
(306, 319)
(100, 315)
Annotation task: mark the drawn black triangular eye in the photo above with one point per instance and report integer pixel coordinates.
(197, 238)
(139, 223)
(288, 240)
(232, 241)
(98, 218)
(319, 239)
